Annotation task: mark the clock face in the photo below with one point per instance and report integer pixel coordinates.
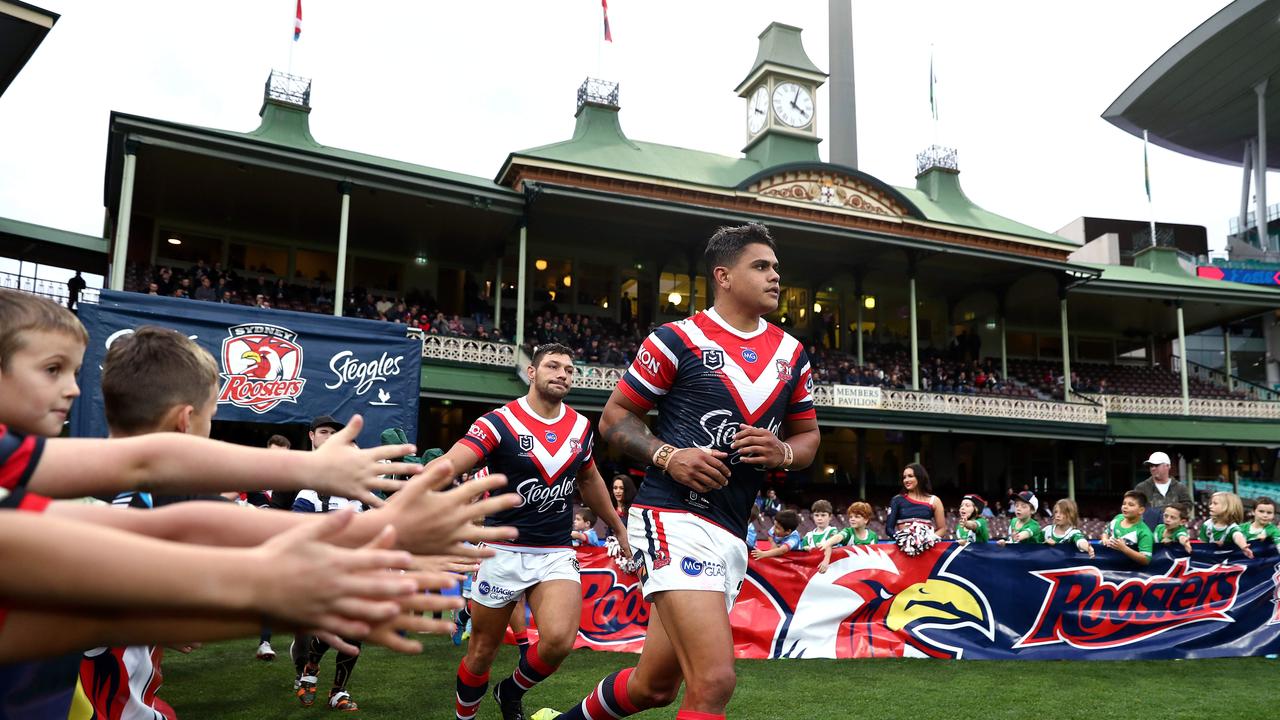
(793, 104)
(758, 109)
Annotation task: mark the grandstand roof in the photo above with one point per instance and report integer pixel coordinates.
(1198, 97)
(1158, 431)
(22, 29)
(599, 146)
(51, 246)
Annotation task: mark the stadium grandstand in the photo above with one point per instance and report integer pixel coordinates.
(994, 352)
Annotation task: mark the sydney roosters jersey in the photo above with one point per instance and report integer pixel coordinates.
(707, 379)
(541, 459)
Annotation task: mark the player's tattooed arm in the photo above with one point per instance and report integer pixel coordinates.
(622, 426)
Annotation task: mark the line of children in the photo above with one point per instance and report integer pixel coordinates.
(972, 527)
(857, 533)
(784, 536)
(822, 529)
(1226, 514)
(1174, 528)
(1263, 525)
(1024, 528)
(1063, 531)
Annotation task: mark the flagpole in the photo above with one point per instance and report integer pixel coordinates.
(1146, 177)
(933, 102)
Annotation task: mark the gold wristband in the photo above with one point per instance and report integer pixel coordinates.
(662, 456)
(788, 456)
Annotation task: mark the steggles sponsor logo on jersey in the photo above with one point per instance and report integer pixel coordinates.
(535, 492)
(1082, 609)
(261, 367)
(348, 369)
(720, 429)
(618, 613)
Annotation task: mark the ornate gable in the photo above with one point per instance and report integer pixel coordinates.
(832, 187)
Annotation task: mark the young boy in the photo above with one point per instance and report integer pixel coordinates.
(822, 529)
(784, 536)
(1127, 533)
(584, 532)
(1263, 525)
(1023, 528)
(1174, 528)
(859, 514)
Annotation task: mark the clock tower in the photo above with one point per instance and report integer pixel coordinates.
(781, 93)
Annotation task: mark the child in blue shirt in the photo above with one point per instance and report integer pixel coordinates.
(584, 532)
(784, 535)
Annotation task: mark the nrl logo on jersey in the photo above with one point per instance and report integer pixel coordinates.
(713, 359)
(526, 443)
(261, 367)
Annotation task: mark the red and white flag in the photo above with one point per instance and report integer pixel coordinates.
(604, 5)
(297, 23)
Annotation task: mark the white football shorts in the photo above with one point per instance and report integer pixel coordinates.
(683, 551)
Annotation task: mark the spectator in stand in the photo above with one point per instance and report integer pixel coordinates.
(75, 286)
(783, 536)
(1174, 528)
(821, 512)
(1263, 525)
(206, 291)
(916, 518)
(623, 492)
(770, 505)
(1161, 490)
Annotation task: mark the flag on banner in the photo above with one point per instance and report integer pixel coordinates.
(604, 6)
(1146, 168)
(297, 23)
(933, 81)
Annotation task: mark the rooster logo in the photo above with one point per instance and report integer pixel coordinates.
(873, 603)
(261, 367)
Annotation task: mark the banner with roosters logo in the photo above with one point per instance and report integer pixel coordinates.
(274, 366)
(976, 602)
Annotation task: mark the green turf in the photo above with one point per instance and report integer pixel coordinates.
(224, 681)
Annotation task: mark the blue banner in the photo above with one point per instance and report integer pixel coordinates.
(275, 366)
(1030, 602)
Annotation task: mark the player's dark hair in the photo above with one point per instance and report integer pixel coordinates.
(279, 441)
(1139, 496)
(728, 242)
(542, 351)
(821, 506)
(788, 519)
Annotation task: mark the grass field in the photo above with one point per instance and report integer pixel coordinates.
(223, 681)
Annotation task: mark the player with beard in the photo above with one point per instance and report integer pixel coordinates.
(728, 386)
(544, 448)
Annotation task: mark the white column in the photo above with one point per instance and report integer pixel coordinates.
(1246, 167)
(1260, 167)
(1226, 361)
(497, 298)
(521, 287)
(861, 300)
(340, 283)
(915, 341)
(120, 253)
(1182, 362)
(1066, 352)
(1004, 350)
(1071, 479)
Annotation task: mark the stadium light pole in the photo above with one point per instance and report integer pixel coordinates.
(120, 252)
(340, 284)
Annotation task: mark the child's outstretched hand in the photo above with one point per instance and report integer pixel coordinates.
(822, 566)
(1248, 551)
(342, 469)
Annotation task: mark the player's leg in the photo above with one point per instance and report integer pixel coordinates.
(697, 626)
(653, 682)
(520, 628)
(557, 606)
(315, 648)
(339, 698)
(488, 626)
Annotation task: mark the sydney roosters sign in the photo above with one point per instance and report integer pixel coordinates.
(261, 367)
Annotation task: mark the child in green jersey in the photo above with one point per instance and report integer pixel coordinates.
(1174, 528)
(859, 514)
(822, 529)
(972, 527)
(1023, 528)
(1127, 534)
(1263, 525)
(1063, 531)
(1226, 514)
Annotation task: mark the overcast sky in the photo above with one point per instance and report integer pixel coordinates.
(1021, 88)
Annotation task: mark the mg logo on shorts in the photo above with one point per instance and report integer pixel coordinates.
(483, 587)
(713, 359)
(691, 567)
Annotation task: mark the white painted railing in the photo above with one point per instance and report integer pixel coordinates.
(1199, 407)
(958, 404)
(468, 350)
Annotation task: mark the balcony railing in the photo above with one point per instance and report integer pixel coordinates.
(1232, 408)
(993, 406)
(51, 289)
(468, 350)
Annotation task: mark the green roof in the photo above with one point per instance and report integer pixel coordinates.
(1195, 431)
(470, 382)
(781, 47)
(42, 233)
(599, 143)
(1119, 277)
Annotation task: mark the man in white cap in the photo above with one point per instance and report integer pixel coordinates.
(1162, 490)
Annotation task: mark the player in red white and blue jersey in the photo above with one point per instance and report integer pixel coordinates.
(544, 448)
(729, 388)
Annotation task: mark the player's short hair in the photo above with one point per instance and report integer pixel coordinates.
(542, 351)
(1068, 508)
(861, 509)
(22, 313)
(788, 519)
(150, 371)
(1141, 497)
(279, 441)
(1235, 508)
(821, 506)
(1264, 501)
(1182, 509)
(728, 242)
(587, 516)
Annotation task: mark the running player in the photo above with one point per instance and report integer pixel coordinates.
(544, 448)
(728, 386)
